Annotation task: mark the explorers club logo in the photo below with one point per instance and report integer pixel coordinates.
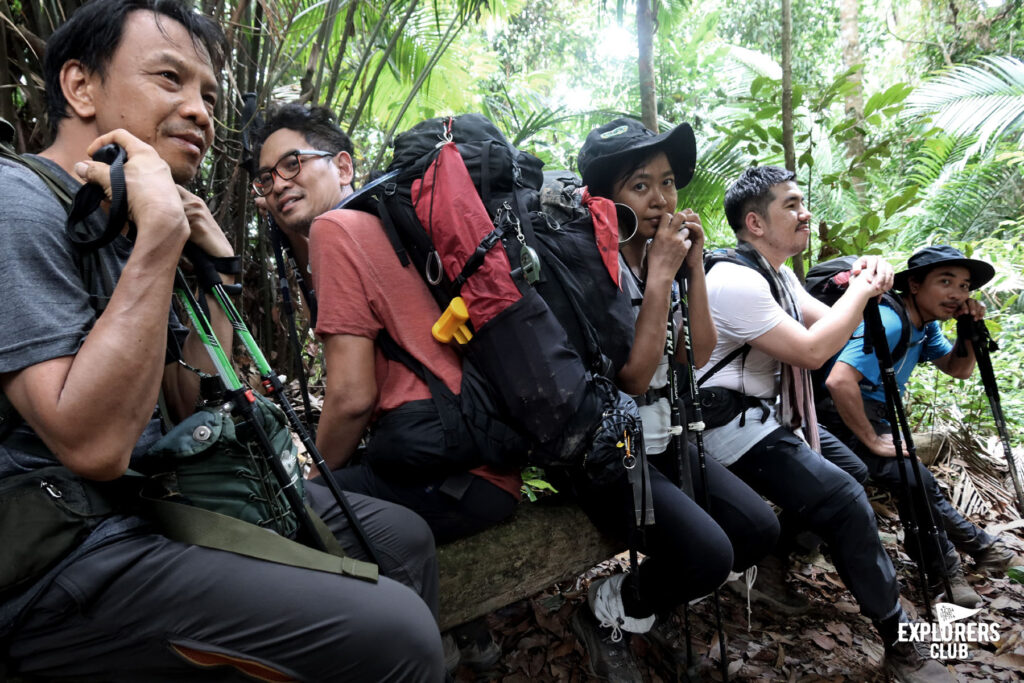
(950, 637)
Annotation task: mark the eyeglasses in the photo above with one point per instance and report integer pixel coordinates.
(286, 168)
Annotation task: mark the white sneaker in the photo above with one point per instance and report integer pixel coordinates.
(605, 599)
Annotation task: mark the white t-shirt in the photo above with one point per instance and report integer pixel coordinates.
(743, 308)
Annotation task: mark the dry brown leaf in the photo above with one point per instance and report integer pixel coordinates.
(824, 642)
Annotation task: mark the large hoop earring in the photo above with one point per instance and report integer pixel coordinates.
(626, 216)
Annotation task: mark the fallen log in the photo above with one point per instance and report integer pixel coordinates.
(544, 543)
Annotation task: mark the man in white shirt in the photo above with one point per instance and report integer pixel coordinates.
(770, 333)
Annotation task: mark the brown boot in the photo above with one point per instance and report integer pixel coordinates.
(906, 664)
(769, 588)
(963, 594)
(996, 559)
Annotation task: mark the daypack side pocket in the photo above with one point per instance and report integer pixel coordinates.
(44, 515)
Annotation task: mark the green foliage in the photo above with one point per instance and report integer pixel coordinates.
(535, 486)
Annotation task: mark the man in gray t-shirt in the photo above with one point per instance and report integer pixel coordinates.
(128, 603)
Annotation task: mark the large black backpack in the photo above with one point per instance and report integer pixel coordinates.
(549, 359)
(828, 280)
(595, 313)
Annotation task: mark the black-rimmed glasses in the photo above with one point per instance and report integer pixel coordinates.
(286, 168)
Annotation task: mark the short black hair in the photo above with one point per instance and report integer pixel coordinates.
(93, 34)
(316, 124)
(752, 191)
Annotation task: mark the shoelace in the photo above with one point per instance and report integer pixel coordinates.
(616, 631)
(749, 577)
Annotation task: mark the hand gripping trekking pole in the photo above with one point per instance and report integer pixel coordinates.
(242, 400)
(209, 280)
(977, 332)
(897, 417)
(696, 426)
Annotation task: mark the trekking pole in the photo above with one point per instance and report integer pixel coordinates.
(209, 280)
(697, 427)
(978, 334)
(681, 453)
(241, 400)
(278, 238)
(897, 417)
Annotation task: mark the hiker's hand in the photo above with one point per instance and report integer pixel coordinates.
(668, 248)
(695, 255)
(883, 447)
(152, 198)
(872, 275)
(875, 269)
(204, 231)
(971, 307)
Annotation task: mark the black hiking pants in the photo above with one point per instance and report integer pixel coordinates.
(954, 531)
(689, 552)
(817, 495)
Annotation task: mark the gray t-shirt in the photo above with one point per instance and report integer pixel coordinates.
(47, 314)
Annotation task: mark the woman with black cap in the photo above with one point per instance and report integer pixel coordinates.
(689, 552)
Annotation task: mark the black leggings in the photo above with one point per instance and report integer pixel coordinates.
(689, 552)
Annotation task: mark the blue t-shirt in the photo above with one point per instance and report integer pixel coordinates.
(925, 345)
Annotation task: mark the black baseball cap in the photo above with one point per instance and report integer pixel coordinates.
(927, 258)
(606, 146)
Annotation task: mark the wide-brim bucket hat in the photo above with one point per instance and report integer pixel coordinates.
(927, 258)
(601, 156)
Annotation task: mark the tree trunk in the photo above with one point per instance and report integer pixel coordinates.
(849, 42)
(788, 146)
(645, 45)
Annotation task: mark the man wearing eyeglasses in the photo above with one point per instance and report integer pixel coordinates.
(306, 170)
(363, 291)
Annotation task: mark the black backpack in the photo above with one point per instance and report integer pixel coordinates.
(546, 360)
(827, 281)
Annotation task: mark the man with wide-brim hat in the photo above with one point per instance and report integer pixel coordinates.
(935, 286)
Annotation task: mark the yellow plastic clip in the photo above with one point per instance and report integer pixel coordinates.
(452, 323)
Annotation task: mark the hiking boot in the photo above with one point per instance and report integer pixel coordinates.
(963, 593)
(996, 559)
(605, 600)
(451, 653)
(766, 584)
(610, 658)
(906, 663)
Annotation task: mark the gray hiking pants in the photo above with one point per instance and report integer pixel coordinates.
(134, 609)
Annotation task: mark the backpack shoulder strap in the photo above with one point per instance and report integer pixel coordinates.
(735, 255)
(895, 303)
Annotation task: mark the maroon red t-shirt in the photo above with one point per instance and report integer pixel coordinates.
(361, 289)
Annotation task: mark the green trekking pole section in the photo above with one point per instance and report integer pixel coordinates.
(242, 400)
(209, 280)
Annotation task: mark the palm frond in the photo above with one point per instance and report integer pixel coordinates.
(985, 100)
